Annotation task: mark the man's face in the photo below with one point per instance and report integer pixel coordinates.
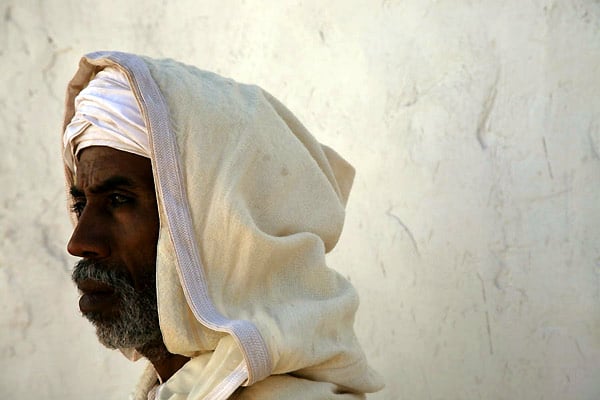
(116, 236)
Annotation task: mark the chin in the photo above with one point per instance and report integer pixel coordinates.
(115, 333)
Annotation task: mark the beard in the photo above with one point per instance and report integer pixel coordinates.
(134, 323)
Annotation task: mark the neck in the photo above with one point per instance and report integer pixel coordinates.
(165, 363)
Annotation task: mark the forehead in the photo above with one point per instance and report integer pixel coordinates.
(96, 164)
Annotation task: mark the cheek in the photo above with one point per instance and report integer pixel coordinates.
(139, 254)
(136, 240)
(143, 224)
(147, 236)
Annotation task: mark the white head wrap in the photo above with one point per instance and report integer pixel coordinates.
(106, 114)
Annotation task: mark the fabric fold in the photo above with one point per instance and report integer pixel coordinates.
(250, 203)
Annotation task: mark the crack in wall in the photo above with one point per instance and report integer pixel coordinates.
(484, 115)
(406, 229)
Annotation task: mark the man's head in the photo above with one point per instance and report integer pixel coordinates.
(114, 201)
(116, 234)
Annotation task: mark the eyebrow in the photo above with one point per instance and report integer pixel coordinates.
(107, 185)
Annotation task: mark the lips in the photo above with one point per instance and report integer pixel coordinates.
(95, 296)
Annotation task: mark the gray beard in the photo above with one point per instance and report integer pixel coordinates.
(135, 323)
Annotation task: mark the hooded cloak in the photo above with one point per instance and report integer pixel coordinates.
(249, 204)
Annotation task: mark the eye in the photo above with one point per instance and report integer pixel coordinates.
(117, 199)
(77, 207)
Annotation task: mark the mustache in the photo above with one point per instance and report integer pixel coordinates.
(109, 273)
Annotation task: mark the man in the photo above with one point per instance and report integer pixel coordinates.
(203, 211)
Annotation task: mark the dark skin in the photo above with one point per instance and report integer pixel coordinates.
(117, 221)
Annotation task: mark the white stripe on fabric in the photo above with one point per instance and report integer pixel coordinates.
(226, 388)
(169, 184)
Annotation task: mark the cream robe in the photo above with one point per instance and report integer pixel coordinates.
(249, 205)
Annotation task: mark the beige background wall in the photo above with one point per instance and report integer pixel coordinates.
(473, 232)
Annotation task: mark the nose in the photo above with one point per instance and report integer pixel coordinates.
(89, 238)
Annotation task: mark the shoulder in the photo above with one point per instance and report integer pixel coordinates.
(289, 387)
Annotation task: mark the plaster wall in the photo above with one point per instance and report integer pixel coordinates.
(472, 233)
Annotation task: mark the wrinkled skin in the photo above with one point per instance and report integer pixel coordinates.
(116, 234)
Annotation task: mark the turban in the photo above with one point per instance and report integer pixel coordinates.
(106, 114)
